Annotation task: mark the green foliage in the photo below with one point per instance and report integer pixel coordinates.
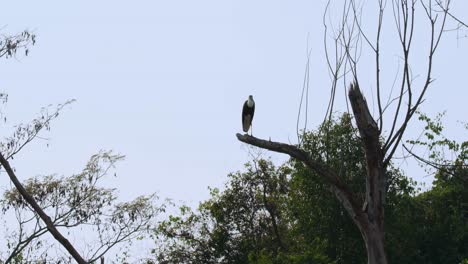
(445, 155)
(76, 203)
(316, 211)
(308, 254)
(233, 226)
(287, 214)
(433, 226)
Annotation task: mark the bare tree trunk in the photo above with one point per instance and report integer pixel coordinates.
(376, 182)
(374, 239)
(369, 218)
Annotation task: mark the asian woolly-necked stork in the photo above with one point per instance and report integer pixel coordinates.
(248, 114)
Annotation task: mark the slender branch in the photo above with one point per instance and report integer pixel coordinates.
(377, 64)
(24, 243)
(403, 41)
(271, 211)
(393, 141)
(358, 24)
(440, 167)
(50, 225)
(446, 10)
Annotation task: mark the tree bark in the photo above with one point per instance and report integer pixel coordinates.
(376, 182)
(339, 188)
(374, 240)
(50, 225)
(370, 217)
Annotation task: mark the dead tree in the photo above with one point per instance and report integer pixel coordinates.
(381, 133)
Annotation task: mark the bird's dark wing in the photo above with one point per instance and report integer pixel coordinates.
(245, 110)
(247, 115)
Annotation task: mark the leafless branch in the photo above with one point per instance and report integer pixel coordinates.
(445, 9)
(338, 186)
(394, 140)
(440, 167)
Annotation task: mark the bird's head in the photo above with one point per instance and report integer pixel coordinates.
(250, 98)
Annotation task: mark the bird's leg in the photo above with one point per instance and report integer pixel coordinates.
(251, 130)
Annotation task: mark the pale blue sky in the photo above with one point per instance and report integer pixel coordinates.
(163, 83)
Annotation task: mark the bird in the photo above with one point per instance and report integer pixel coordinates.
(248, 114)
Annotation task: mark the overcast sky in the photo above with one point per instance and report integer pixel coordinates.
(163, 82)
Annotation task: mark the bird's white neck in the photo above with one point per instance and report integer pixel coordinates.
(250, 102)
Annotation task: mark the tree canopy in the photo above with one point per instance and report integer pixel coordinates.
(286, 214)
(325, 205)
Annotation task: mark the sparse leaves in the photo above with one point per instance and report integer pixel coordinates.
(25, 133)
(11, 45)
(78, 201)
(444, 155)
